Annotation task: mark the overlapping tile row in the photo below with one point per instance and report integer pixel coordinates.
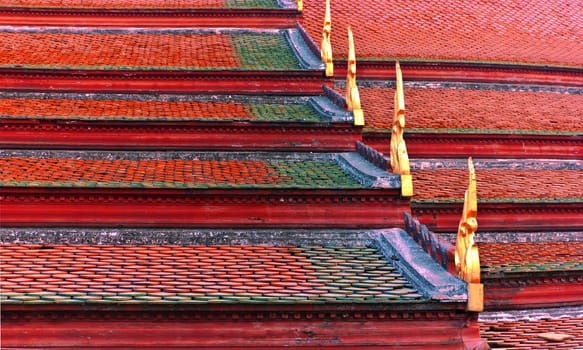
(140, 4)
(84, 274)
(526, 334)
(166, 49)
(153, 108)
(506, 258)
(499, 185)
(448, 30)
(474, 110)
(173, 173)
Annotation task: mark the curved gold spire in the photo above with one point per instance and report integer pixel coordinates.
(352, 95)
(326, 47)
(467, 257)
(399, 156)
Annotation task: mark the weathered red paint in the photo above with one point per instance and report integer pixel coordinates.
(51, 134)
(201, 208)
(465, 72)
(533, 292)
(444, 217)
(364, 329)
(440, 145)
(240, 18)
(302, 82)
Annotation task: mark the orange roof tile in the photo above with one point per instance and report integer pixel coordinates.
(530, 257)
(173, 173)
(544, 32)
(153, 107)
(78, 274)
(474, 110)
(64, 48)
(499, 184)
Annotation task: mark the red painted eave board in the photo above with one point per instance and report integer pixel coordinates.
(224, 18)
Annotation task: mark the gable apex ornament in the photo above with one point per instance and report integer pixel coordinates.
(467, 257)
(326, 46)
(300, 4)
(352, 95)
(399, 156)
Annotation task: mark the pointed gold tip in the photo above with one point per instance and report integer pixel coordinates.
(352, 95)
(326, 46)
(398, 150)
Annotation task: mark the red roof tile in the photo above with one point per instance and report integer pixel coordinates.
(198, 274)
(499, 184)
(65, 48)
(477, 110)
(508, 253)
(155, 107)
(524, 334)
(544, 32)
(173, 173)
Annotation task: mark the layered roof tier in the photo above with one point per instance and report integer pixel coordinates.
(448, 31)
(225, 60)
(525, 194)
(226, 189)
(486, 120)
(150, 121)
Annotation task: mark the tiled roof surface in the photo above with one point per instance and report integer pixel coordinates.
(174, 173)
(524, 334)
(530, 257)
(82, 274)
(544, 32)
(141, 4)
(151, 108)
(145, 50)
(446, 185)
(475, 111)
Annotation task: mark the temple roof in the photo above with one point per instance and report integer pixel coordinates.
(170, 108)
(146, 49)
(542, 33)
(35, 274)
(507, 258)
(475, 108)
(190, 170)
(521, 181)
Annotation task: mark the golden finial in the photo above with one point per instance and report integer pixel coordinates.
(399, 155)
(326, 49)
(352, 95)
(467, 257)
(300, 5)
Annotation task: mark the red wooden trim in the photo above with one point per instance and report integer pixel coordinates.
(303, 82)
(466, 72)
(215, 330)
(503, 216)
(526, 292)
(201, 208)
(224, 18)
(51, 134)
(439, 145)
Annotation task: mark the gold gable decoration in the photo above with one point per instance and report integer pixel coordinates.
(399, 156)
(326, 47)
(467, 257)
(300, 5)
(352, 95)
